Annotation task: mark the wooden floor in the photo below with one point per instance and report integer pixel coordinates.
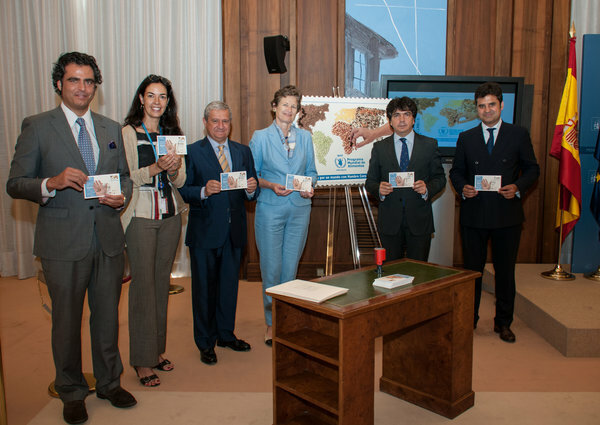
(526, 382)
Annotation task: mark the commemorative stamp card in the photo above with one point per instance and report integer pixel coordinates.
(234, 180)
(488, 183)
(402, 179)
(102, 184)
(171, 144)
(298, 183)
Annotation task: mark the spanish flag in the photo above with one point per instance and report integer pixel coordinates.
(565, 147)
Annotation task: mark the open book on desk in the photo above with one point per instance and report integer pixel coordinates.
(305, 290)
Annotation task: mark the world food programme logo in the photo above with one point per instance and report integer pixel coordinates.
(340, 162)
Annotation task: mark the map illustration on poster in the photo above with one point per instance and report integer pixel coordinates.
(330, 121)
(444, 115)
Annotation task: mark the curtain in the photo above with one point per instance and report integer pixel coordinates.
(585, 14)
(179, 39)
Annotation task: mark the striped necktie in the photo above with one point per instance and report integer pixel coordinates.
(85, 147)
(223, 160)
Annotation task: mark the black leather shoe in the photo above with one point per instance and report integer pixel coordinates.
(235, 345)
(74, 412)
(208, 356)
(505, 333)
(118, 397)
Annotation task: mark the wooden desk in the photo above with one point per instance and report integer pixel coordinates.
(323, 354)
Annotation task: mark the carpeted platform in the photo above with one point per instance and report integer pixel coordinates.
(564, 313)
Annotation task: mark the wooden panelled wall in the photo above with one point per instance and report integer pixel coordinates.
(492, 37)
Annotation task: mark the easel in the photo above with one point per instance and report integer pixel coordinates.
(362, 191)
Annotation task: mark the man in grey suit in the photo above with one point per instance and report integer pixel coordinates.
(405, 218)
(80, 241)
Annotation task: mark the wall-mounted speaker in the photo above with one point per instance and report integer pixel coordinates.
(275, 48)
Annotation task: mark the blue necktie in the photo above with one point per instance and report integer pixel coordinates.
(404, 155)
(490, 143)
(85, 147)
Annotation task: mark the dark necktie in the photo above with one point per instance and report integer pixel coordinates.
(404, 155)
(85, 147)
(490, 143)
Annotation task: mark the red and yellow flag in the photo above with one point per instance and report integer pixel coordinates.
(565, 147)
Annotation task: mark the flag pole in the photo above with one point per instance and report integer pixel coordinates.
(558, 273)
(594, 275)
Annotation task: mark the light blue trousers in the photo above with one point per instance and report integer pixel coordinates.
(280, 237)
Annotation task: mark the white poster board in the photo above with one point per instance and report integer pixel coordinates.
(330, 120)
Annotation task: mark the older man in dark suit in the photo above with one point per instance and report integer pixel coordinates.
(80, 241)
(216, 232)
(405, 218)
(493, 148)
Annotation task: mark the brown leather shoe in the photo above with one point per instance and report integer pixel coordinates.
(74, 412)
(505, 333)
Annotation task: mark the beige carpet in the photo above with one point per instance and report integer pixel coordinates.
(522, 383)
(183, 408)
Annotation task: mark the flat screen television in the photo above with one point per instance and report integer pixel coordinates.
(446, 105)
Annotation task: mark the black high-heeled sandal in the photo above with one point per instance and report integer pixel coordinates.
(161, 366)
(146, 381)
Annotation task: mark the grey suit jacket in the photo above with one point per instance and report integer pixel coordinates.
(66, 223)
(426, 163)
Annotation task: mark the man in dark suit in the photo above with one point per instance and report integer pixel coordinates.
(405, 219)
(80, 241)
(493, 148)
(216, 232)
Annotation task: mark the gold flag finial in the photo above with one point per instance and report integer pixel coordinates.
(572, 30)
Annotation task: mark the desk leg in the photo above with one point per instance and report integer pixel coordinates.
(431, 363)
(356, 372)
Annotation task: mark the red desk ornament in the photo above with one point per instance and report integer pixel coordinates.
(379, 259)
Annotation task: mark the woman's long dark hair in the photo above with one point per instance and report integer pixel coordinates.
(169, 120)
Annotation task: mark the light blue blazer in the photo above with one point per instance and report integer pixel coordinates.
(272, 163)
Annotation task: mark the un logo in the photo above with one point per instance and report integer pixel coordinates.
(340, 162)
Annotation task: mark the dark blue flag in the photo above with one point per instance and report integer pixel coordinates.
(595, 203)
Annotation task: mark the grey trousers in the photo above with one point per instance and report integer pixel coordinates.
(151, 249)
(101, 276)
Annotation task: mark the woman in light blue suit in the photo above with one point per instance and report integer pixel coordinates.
(282, 215)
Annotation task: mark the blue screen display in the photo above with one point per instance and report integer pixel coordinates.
(446, 106)
(444, 115)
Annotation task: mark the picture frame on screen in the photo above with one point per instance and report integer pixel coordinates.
(446, 104)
